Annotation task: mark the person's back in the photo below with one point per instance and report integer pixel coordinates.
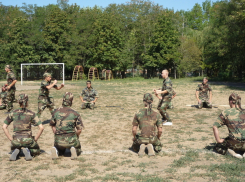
(22, 119)
(150, 124)
(64, 121)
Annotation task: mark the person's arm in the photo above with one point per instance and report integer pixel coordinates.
(8, 87)
(210, 96)
(95, 99)
(82, 99)
(197, 96)
(60, 87)
(161, 92)
(134, 131)
(216, 135)
(40, 131)
(53, 129)
(51, 85)
(156, 94)
(159, 134)
(6, 131)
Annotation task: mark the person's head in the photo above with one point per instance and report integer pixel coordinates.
(23, 100)
(67, 99)
(47, 76)
(88, 83)
(8, 68)
(165, 73)
(205, 80)
(147, 99)
(235, 100)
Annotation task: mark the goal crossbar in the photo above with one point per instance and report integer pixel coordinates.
(30, 64)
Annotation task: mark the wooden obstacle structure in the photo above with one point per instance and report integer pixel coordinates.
(107, 74)
(93, 73)
(77, 73)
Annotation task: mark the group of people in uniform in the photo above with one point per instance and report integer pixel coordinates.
(67, 125)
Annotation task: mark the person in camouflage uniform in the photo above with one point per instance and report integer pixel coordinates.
(44, 100)
(165, 99)
(89, 96)
(234, 119)
(147, 120)
(202, 98)
(22, 119)
(11, 81)
(64, 121)
(3, 97)
(171, 106)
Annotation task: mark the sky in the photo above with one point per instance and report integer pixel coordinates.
(170, 4)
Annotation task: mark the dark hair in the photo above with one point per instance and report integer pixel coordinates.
(88, 81)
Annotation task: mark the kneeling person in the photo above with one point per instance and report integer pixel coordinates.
(89, 96)
(233, 118)
(202, 96)
(64, 121)
(22, 119)
(147, 120)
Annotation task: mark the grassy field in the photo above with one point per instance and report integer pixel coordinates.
(187, 153)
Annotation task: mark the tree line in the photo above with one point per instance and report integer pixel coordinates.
(138, 34)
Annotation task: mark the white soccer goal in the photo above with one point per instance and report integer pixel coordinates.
(35, 71)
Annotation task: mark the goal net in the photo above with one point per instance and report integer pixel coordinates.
(35, 71)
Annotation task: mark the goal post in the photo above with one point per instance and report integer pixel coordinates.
(60, 72)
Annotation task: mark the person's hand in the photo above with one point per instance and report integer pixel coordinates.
(62, 85)
(55, 81)
(8, 87)
(93, 101)
(210, 101)
(221, 140)
(160, 98)
(199, 101)
(134, 139)
(84, 101)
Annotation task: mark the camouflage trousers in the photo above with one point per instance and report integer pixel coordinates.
(26, 142)
(3, 96)
(88, 105)
(170, 106)
(162, 107)
(66, 141)
(205, 104)
(230, 143)
(10, 99)
(44, 102)
(143, 140)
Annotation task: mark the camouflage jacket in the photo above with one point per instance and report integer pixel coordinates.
(22, 120)
(89, 94)
(10, 78)
(147, 122)
(167, 85)
(43, 91)
(203, 91)
(235, 122)
(65, 120)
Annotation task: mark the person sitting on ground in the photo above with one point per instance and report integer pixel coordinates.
(147, 120)
(89, 96)
(202, 96)
(22, 119)
(234, 119)
(63, 123)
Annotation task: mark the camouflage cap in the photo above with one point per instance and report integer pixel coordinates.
(148, 98)
(46, 75)
(67, 99)
(8, 66)
(23, 98)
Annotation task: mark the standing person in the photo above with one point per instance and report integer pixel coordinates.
(22, 119)
(11, 81)
(147, 120)
(44, 100)
(89, 96)
(165, 99)
(3, 96)
(63, 123)
(234, 119)
(202, 97)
